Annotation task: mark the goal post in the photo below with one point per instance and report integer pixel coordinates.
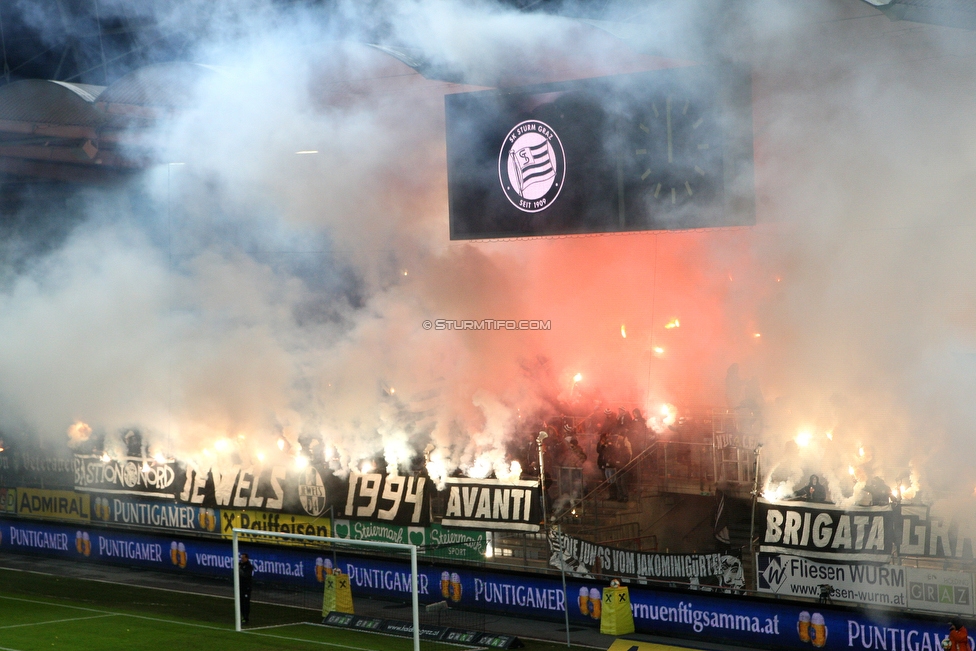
(269, 537)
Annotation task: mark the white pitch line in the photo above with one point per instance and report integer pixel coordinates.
(56, 605)
(301, 639)
(58, 621)
(120, 614)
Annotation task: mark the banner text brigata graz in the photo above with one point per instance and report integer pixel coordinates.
(827, 531)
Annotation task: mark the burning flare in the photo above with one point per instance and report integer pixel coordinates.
(673, 323)
(79, 432)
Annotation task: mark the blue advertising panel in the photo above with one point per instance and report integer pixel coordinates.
(700, 615)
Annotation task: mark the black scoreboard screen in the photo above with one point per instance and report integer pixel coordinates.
(667, 149)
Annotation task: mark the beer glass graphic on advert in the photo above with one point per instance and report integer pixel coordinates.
(584, 602)
(181, 548)
(319, 570)
(596, 603)
(455, 587)
(818, 630)
(79, 545)
(174, 553)
(86, 543)
(327, 566)
(446, 585)
(803, 626)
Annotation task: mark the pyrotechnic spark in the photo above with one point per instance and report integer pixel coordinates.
(623, 331)
(207, 452)
(405, 272)
(669, 414)
(757, 335)
(221, 445)
(830, 435)
(367, 467)
(281, 443)
(145, 466)
(516, 471)
(850, 470)
(301, 461)
(260, 456)
(480, 469)
(658, 350)
(159, 457)
(803, 438)
(308, 151)
(673, 323)
(860, 452)
(578, 377)
(105, 458)
(79, 431)
(392, 391)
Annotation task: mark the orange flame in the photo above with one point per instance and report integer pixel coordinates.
(79, 431)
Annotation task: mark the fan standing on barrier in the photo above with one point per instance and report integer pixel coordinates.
(246, 571)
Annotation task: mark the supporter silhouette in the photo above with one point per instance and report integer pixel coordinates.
(814, 491)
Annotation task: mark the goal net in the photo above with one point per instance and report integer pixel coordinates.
(306, 586)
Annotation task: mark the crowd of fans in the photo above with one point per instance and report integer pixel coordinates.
(598, 446)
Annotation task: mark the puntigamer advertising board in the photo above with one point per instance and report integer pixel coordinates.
(704, 616)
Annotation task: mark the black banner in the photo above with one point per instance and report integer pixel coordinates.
(275, 488)
(388, 498)
(664, 149)
(584, 558)
(493, 504)
(827, 531)
(37, 468)
(126, 476)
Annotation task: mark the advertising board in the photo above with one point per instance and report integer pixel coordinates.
(699, 615)
(889, 586)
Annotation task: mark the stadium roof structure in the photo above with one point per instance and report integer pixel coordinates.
(61, 131)
(82, 133)
(103, 82)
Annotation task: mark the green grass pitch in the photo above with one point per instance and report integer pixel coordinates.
(41, 611)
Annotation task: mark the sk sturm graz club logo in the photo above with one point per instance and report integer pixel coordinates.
(311, 492)
(532, 166)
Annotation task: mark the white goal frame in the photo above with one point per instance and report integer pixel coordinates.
(250, 533)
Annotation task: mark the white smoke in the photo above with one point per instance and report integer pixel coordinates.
(246, 292)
